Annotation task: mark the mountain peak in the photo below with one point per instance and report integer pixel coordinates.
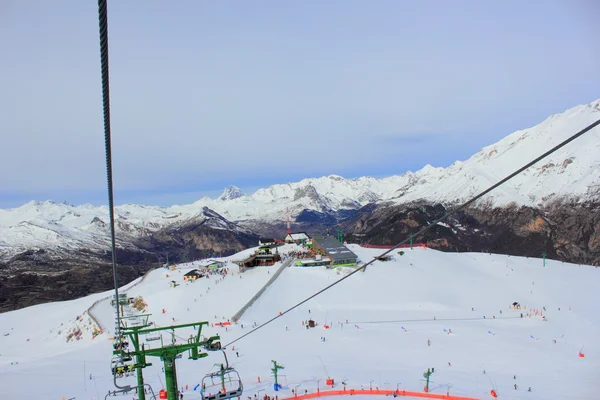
(230, 193)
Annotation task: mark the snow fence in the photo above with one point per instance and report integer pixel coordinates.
(246, 306)
(403, 393)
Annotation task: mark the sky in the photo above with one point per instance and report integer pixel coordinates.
(210, 94)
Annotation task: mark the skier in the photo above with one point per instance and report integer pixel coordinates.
(428, 342)
(516, 386)
(529, 390)
(237, 354)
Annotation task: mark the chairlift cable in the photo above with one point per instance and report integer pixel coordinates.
(103, 30)
(428, 227)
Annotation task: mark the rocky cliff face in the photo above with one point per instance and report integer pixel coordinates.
(39, 276)
(567, 232)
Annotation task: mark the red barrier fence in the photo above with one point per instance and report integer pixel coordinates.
(378, 392)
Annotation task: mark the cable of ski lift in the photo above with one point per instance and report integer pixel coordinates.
(103, 31)
(428, 227)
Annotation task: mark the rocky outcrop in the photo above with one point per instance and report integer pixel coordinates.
(564, 231)
(39, 276)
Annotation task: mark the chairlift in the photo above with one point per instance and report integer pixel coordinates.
(212, 345)
(152, 338)
(122, 366)
(223, 384)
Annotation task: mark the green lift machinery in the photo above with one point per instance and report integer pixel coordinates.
(129, 348)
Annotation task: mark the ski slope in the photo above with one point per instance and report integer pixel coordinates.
(392, 309)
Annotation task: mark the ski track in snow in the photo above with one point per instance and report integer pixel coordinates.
(36, 362)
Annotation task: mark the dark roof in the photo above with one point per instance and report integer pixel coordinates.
(266, 240)
(335, 249)
(245, 261)
(193, 273)
(263, 255)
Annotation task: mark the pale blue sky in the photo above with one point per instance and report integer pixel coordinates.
(208, 94)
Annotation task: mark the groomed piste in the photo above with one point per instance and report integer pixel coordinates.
(452, 313)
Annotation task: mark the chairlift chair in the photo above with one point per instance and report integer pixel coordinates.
(222, 385)
(122, 366)
(213, 344)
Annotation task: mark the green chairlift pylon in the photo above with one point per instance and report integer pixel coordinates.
(340, 235)
(167, 353)
(544, 259)
(426, 375)
(275, 370)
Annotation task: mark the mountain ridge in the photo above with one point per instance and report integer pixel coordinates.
(568, 173)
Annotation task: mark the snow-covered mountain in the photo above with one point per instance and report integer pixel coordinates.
(230, 193)
(570, 172)
(64, 227)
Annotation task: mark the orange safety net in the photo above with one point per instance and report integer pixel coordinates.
(378, 392)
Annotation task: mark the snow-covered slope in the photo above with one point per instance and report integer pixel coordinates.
(570, 172)
(50, 225)
(380, 322)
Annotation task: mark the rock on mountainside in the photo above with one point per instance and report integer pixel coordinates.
(66, 254)
(563, 231)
